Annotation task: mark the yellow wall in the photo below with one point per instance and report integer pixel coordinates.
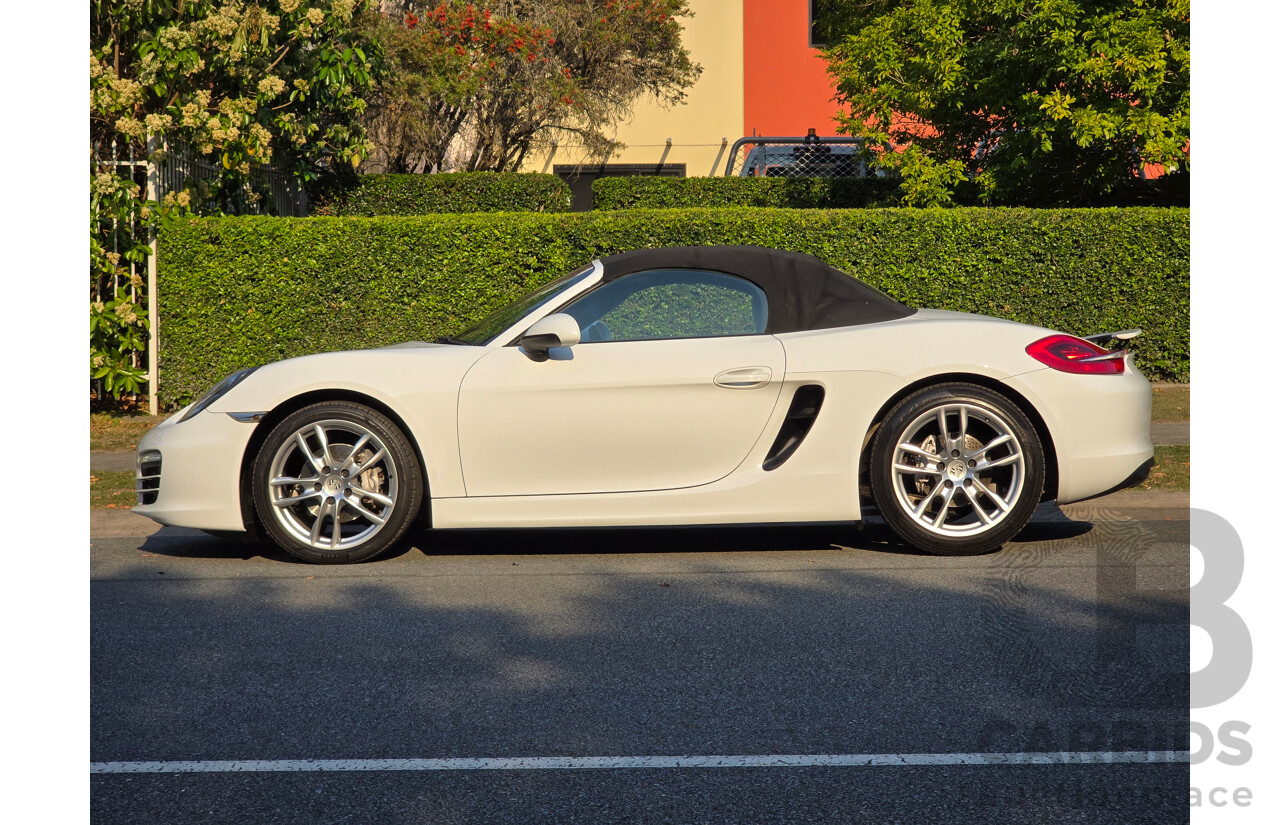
(712, 109)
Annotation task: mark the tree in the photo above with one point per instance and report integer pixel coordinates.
(1038, 101)
(238, 83)
(476, 86)
(418, 108)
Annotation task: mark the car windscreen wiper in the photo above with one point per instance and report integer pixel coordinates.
(449, 339)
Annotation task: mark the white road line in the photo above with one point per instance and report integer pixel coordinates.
(568, 763)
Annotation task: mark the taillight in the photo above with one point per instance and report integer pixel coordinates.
(1067, 353)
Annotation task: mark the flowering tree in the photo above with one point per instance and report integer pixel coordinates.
(238, 83)
(475, 86)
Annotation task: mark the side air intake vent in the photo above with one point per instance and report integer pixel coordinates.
(804, 409)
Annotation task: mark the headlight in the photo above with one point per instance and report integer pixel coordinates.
(220, 389)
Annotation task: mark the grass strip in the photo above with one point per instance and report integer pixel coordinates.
(112, 490)
(1172, 470)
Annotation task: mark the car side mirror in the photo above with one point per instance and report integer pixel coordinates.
(559, 330)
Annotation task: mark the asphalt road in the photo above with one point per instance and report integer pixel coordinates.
(737, 641)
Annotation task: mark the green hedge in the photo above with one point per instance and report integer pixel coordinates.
(850, 193)
(240, 291)
(369, 196)
(789, 193)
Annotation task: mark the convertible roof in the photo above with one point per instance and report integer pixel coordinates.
(804, 292)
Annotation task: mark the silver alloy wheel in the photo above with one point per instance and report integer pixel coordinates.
(958, 469)
(333, 472)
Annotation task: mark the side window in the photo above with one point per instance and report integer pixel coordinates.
(671, 303)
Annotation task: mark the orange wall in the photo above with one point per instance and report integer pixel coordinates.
(785, 85)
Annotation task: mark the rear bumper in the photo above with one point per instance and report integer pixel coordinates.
(200, 472)
(1100, 426)
(1135, 478)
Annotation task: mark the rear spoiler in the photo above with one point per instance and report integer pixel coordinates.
(1104, 338)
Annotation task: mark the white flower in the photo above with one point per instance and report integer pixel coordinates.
(270, 86)
(128, 92)
(126, 313)
(158, 123)
(131, 127)
(224, 21)
(190, 111)
(175, 39)
(105, 183)
(342, 9)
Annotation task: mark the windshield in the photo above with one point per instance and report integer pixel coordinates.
(485, 331)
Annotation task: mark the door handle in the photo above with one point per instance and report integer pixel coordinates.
(744, 378)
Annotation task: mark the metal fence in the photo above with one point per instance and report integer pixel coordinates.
(128, 162)
(159, 169)
(797, 157)
(177, 164)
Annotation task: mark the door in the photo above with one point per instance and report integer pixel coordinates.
(671, 387)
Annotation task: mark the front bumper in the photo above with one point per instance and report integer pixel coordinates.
(200, 460)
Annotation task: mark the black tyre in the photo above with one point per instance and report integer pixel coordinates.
(336, 483)
(956, 469)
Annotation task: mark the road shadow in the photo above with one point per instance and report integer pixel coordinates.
(480, 657)
(1049, 523)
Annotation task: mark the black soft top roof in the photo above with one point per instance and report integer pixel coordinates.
(804, 292)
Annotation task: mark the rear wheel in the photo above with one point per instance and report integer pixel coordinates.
(336, 483)
(956, 469)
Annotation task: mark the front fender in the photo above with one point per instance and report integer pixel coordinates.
(419, 385)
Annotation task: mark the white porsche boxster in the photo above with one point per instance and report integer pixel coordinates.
(692, 385)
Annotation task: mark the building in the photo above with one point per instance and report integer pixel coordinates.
(761, 75)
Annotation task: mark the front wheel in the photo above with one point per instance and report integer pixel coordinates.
(336, 483)
(956, 469)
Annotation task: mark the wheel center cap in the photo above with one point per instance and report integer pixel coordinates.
(333, 484)
(957, 469)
